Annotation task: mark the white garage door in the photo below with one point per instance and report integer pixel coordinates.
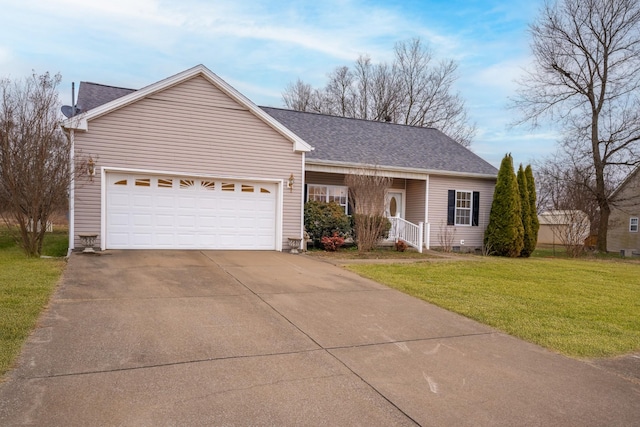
(168, 212)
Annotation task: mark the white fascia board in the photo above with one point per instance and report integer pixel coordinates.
(391, 171)
(81, 122)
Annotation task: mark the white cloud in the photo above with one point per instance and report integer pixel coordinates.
(501, 76)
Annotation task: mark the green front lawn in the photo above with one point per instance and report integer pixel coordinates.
(581, 308)
(26, 284)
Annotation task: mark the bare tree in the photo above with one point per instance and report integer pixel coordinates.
(586, 78)
(446, 236)
(299, 96)
(413, 90)
(367, 195)
(34, 157)
(563, 186)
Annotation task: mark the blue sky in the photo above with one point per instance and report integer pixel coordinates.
(260, 46)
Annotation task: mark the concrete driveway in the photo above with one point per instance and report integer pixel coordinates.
(148, 338)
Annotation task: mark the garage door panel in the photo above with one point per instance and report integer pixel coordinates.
(189, 213)
(142, 239)
(119, 239)
(165, 202)
(186, 202)
(207, 203)
(118, 199)
(208, 222)
(165, 239)
(142, 220)
(142, 201)
(120, 219)
(165, 220)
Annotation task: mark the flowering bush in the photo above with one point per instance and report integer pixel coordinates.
(401, 246)
(332, 243)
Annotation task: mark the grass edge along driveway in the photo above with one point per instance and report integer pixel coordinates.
(582, 309)
(26, 285)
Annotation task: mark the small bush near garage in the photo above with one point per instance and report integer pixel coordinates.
(332, 243)
(322, 219)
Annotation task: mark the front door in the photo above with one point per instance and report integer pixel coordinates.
(395, 203)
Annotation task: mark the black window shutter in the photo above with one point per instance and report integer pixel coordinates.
(476, 208)
(451, 208)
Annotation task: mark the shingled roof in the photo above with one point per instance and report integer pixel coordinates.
(366, 142)
(92, 95)
(342, 140)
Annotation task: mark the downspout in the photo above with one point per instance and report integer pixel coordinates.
(71, 191)
(72, 172)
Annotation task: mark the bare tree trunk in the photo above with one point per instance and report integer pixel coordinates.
(586, 81)
(368, 200)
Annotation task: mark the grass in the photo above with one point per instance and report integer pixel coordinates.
(581, 308)
(559, 251)
(26, 284)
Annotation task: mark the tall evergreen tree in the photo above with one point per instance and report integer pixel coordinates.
(535, 223)
(523, 190)
(505, 234)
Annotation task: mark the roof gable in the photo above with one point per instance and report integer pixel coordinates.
(633, 176)
(365, 143)
(109, 94)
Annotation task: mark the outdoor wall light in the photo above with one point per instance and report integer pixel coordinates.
(91, 167)
(290, 182)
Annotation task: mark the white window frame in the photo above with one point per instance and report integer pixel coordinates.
(469, 209)
(329, 194)
(633, 224)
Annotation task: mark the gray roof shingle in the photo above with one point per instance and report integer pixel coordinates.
(345, 140)
(382, 144)
(92, 95)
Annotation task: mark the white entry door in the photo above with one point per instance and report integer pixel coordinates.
(173, 212)
(395, 203)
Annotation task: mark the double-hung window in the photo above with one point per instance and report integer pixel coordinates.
(329, 193)
(633, 224)
(463, 207)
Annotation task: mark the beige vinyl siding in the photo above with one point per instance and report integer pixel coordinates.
(415, 201)
(618, 236)
(398, 184)
(190, 128)
(627, 206)
(322, 178)
(438, 192)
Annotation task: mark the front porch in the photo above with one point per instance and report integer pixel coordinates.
(414, 235)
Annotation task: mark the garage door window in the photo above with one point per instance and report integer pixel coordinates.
(187, 183)
(208, 185)
(165, 183)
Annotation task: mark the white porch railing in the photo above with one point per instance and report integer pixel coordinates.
(407, 231)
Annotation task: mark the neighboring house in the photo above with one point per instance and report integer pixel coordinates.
(622, 231)
(563, 227)
(190, 163)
